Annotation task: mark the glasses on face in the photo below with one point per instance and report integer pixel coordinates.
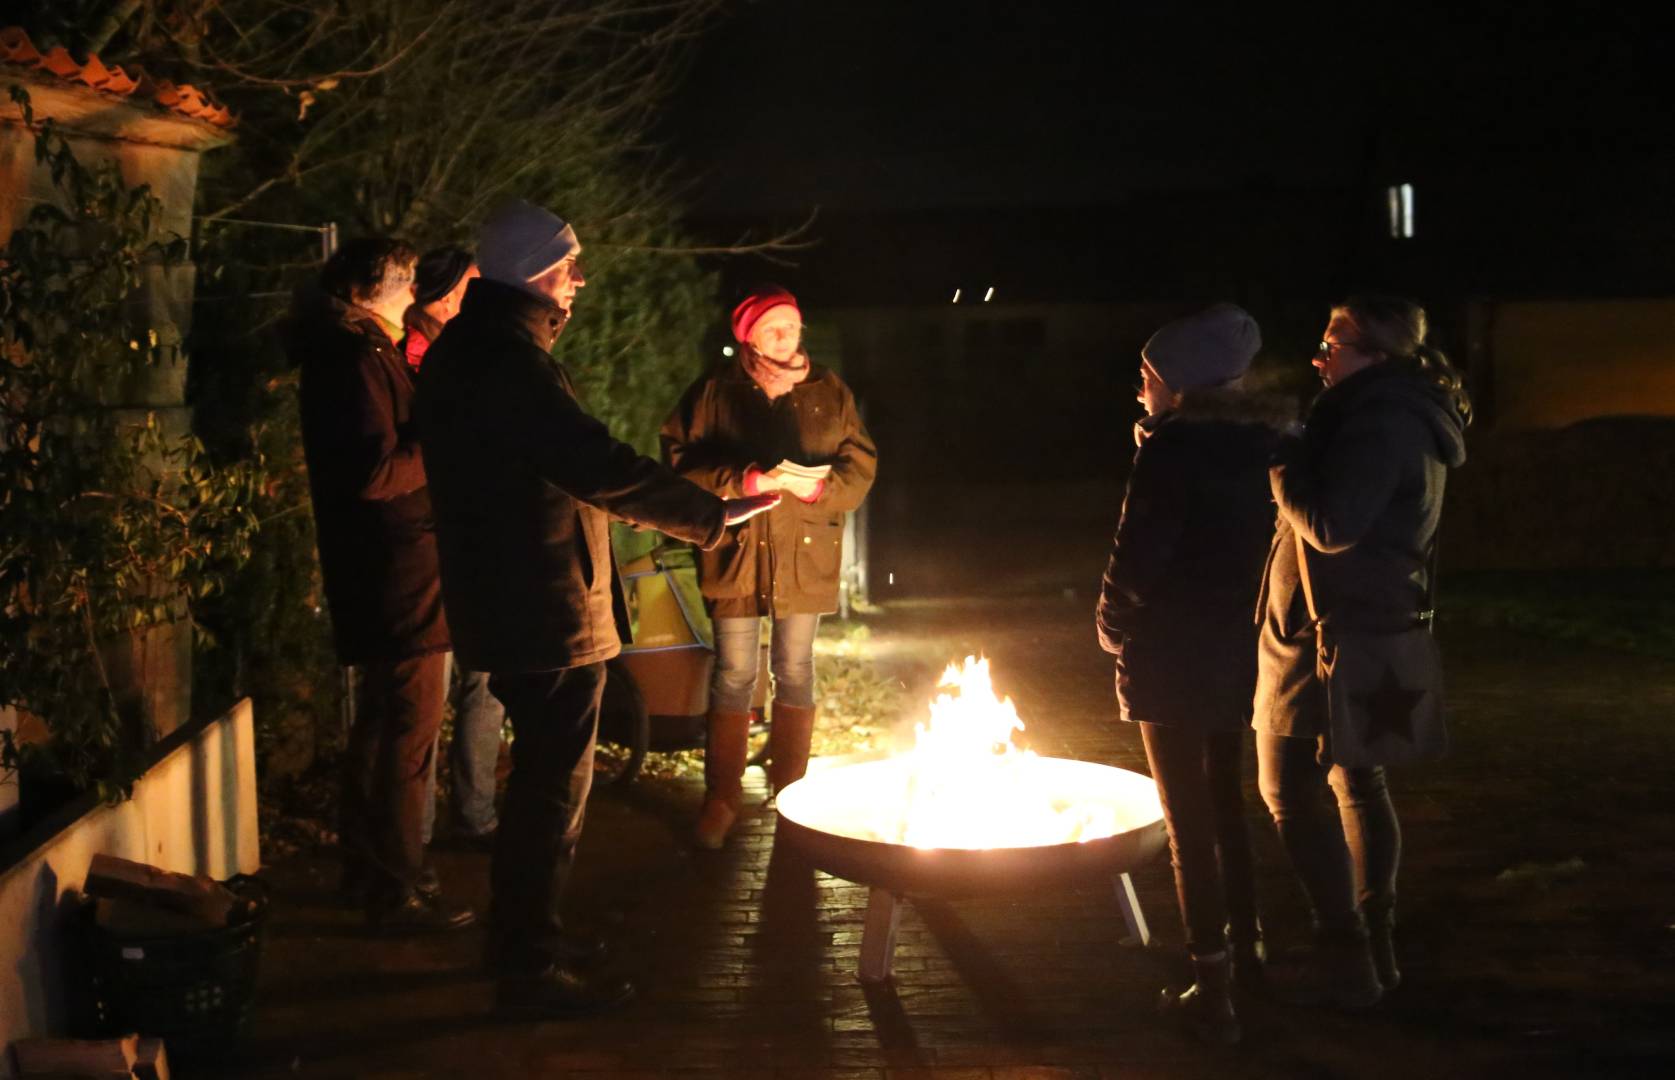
(1325, 348)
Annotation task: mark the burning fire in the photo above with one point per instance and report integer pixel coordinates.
(969, 786)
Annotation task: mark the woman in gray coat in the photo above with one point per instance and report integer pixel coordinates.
(1362, 487)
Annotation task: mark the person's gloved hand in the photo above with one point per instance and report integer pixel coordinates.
(744, 509)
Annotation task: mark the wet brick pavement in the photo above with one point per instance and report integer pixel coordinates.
(1538, 920)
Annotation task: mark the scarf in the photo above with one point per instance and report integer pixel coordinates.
(775, 379)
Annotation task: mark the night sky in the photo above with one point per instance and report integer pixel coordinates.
(895, 106)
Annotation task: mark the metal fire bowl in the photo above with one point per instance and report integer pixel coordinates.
(807, 823)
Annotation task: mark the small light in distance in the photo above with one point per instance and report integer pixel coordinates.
(726, 350)
(956, 296)
(990, 295)
(892, 577)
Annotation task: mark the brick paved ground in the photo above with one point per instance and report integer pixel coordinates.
(1538, 915)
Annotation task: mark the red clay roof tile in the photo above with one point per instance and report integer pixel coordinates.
(186, 100)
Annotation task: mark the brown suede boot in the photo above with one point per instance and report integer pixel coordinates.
(726, 745)
(790, 731)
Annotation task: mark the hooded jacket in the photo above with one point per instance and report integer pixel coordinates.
(1187, 560)
(372, 518)
(525, 483)
(1363, 487)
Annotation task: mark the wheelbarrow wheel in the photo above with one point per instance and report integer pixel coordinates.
(624, 726)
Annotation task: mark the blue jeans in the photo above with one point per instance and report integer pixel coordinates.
(738, 659)
(472, 757)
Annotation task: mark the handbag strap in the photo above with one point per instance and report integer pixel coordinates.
(1303, 576)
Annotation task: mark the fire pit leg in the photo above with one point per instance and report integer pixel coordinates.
(1138, 932)
(878, 939)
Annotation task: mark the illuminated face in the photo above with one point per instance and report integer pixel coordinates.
(1154, 393)
(778, 333)
(561, 283)
(1340, 354)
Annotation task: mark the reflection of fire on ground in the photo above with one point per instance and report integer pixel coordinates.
(965, 784)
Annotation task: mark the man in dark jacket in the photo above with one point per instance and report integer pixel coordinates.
(524, 483)
(378, 561)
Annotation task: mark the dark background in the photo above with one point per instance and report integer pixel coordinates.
(1108, 169)
(1154, 148)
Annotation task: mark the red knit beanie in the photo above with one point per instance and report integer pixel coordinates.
(758, 304)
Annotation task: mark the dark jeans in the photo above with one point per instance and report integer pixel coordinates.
(391, 747)
(1347, 862)
(1197, 776)
(555, 718)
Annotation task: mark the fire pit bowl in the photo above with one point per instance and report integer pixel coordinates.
(847, 820)
(839, 818)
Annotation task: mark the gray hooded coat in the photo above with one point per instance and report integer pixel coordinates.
(1363, 486)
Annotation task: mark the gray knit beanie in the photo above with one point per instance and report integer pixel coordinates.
(1212, 347)
(519, 242)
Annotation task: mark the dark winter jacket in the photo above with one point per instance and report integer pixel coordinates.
(372, 515)
(785, 561)
(1363, 486)
(1187, 560)
(524, 482)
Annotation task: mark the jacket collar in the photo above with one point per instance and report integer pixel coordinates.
(534, 317)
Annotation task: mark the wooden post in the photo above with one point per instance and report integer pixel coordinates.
(1138, 932)
(878, 939)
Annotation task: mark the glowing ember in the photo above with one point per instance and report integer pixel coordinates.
(965, 785)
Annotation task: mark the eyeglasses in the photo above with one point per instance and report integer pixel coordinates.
(1325, 347)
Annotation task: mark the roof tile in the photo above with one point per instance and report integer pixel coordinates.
(184, 99)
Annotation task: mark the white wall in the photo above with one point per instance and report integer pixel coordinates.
(194, 812)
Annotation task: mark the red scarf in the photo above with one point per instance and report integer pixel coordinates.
(775, 379)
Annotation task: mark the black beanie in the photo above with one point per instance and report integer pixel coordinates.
(439, 271)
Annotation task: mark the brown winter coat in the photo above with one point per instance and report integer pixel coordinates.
(372, 516)
(786, 561)
(525, 483)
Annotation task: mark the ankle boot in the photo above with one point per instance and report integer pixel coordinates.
(1206, 1007)
(1336, 973)
(790, 732)
(1250, 959)
(726, 745)
(1381, 926)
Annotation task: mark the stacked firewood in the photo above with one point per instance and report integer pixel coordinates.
(134, 898)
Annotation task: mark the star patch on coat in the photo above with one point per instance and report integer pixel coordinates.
(1389, 707)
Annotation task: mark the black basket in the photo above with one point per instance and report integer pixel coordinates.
(195, 990)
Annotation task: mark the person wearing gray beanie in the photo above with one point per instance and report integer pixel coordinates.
(1212, 347)
(521, 242)
(1175, 611)
(524, 483)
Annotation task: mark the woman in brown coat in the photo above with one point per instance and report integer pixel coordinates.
(756, 424)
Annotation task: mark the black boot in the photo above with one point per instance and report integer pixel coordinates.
(1336, 973)
(1381, 926)
(1250, 961)
(414, 913)
(558, 993)
(1206, 1007)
